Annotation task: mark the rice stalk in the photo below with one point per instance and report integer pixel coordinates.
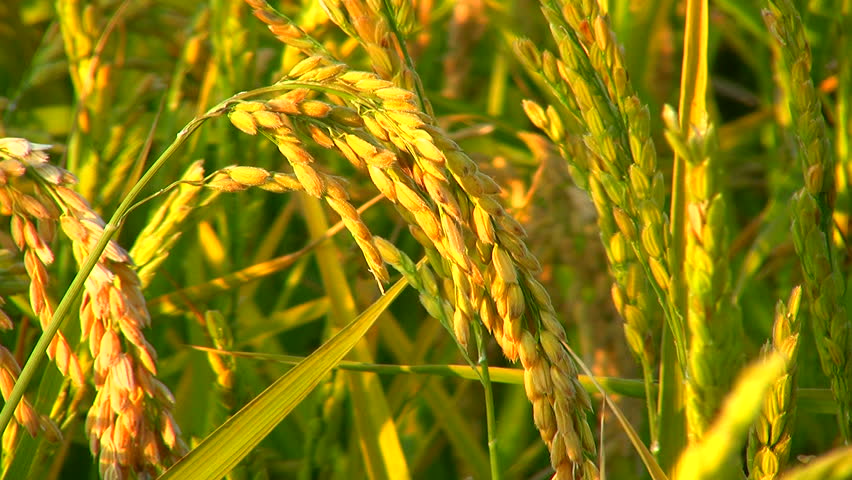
(713, 321)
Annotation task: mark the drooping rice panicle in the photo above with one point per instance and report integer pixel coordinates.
(130, 425)
(33, 227)
(630, 292)
(813, 228)
(771, 437)
(455, 211)
(381, 29)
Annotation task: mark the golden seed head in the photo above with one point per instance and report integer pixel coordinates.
(344, 209)
(394, 120)
(243, 121)
(550, 323)
(544, 420)
(561, 384)
(527, 350)
(515, 302)
(294, 153)
(372, 83)
(320, 136)
(306, 65)
(553, 348)
(428, 150)
(487, 185)
(383, 183)
(410, 199)
(471, 186)
(361, 147)
(355, 76)
(284, 105)
(395, 93)
(323, 74)
(503, 265)
(267, 119)
(249, 107)
(383, 159)
(310, 179)
(224, 183)
(350, 155)
(375, 128)
(288, 182)
(455, 242)
(399, 106)
(335, 188)
(390, 254)
(315, 108)
(529, 386)
(461, 327)
(542, 381)
(251, 176)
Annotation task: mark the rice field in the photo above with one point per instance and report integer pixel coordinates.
(397, 239)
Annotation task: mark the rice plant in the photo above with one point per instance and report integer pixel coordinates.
(322, 239)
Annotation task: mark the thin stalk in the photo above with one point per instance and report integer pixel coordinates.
(815, 400)
(497, 86)
(670, 406)
(692, 106)
(490, 421)
(76, 288)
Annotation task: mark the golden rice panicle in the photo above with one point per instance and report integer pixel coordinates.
(445, 197)
(500, 282)
(771, 436)
(813, 205)
(299, 117)
(381, 28)
(471, 216)
(130, 424)
(33, 225)
(284, 29)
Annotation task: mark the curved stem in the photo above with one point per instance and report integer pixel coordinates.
(75, 290)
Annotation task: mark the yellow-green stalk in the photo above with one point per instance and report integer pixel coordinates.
(713, 322)
(772, 435)
(813, 205)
